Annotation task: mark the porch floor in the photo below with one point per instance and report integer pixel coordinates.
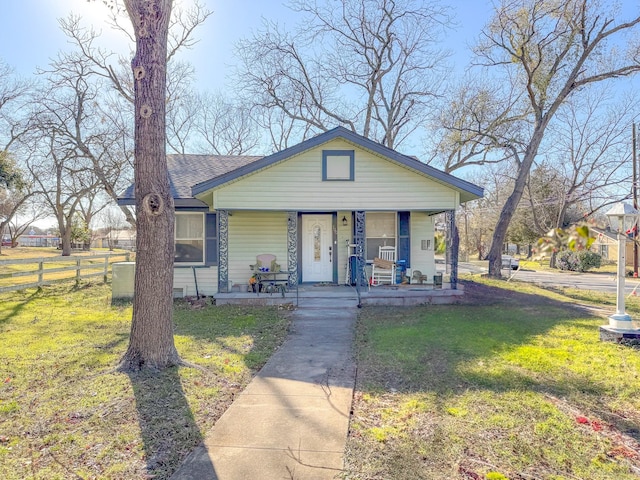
(391, 295)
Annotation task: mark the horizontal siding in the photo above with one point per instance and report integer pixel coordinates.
(296, 184)
(207, 280)
(251, 234)
(342, 248)
(422, 229)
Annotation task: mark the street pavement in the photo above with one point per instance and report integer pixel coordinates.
(602, 282)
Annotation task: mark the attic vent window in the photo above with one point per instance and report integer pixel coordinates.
(338, 165)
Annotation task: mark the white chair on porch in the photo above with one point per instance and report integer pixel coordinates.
(383, 269)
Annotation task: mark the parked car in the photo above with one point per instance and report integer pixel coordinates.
(510, 262)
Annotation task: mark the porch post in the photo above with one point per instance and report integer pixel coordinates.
(223, 251)
(358, 240)
(292, 248)
(453, 246)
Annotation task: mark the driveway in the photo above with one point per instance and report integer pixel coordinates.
(603, 282)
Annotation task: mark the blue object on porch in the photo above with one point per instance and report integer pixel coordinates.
(353, 269)
(401, 270)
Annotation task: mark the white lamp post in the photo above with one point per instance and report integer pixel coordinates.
(622, 217)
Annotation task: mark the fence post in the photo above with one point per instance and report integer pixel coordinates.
(106, 268)
(40, 272)
(77, 270)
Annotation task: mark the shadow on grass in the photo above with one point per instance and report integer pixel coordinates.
(221, 326)
(23, 298)
(21, 304)
(500, 341)
(168, 428)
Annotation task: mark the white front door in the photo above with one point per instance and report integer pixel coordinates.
(317, 248)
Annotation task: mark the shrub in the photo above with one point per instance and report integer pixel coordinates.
(440, 243)
(580, 261)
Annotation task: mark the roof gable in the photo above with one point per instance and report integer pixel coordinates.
(191, 176)
(468, 191)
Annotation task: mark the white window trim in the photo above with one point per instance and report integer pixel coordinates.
(201, 239)
(393, 238)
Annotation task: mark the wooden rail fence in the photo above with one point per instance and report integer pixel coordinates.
(50, 270)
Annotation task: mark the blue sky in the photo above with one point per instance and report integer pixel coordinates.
(30, 34)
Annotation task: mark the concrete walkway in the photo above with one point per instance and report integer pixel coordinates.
(291, 421)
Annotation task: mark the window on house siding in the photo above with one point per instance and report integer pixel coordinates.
(604, 251)
(189, 238)
(338, 165)
(380, 229)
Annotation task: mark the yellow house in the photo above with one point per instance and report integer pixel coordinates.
(606, 244)
(311, 205)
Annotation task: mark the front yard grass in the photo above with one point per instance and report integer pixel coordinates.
(65, 413)
(512, 384)
(543, 266)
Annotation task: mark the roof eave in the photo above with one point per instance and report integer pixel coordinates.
(179, 203)
(468, 190)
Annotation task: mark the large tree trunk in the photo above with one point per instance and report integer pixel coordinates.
(65, 233)
(509, 208)
(65, 237)
(151, 343)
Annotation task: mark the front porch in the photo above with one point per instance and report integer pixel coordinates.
(317, 294)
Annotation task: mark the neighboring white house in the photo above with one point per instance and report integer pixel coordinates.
(115, 238)
(306, 205)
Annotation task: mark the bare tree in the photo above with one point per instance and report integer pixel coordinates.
(92, 122)
(14, 93)
(92, 204)
(14, 191)
(115, 68)
(373, 66)
(107, 142)
(581, 168)
(478, 218)
(29, 211)
(280, 128)
(549, 51)
(62, 178)
(10, 205)
(480, 124)
(112, 224)
(590, 146)
(587, 151)
(225, 127)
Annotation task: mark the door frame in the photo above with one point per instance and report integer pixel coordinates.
(334, 241)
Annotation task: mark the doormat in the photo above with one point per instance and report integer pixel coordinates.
(325, 284)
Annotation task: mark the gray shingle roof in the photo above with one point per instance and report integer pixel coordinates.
(188, 170)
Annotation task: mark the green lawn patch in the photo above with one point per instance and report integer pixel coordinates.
(512, 384)
(65, 413)
(543, 265)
